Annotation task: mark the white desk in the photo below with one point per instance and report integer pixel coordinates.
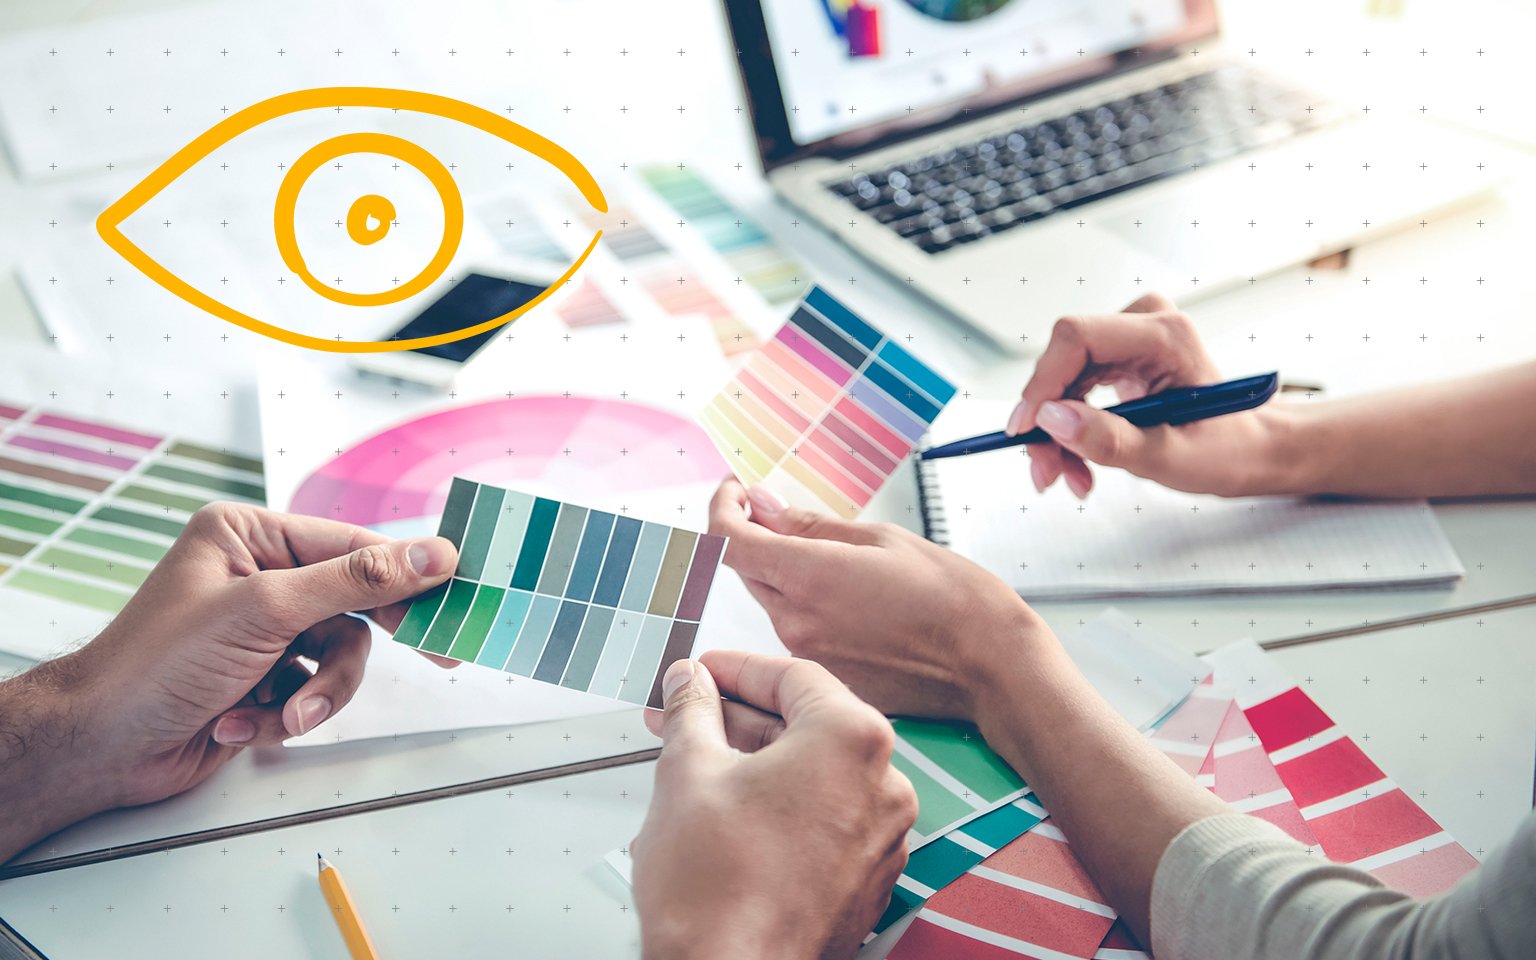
(446, 865)
(1463, 324)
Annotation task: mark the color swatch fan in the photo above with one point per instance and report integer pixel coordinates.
(825, 411)
(587, 448)
(585, 599)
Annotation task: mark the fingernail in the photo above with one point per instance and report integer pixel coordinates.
(233, 730)
(677, 675)
(1059, 420)
(1077, 485)
(1016, 419)
(765, 499)
(429, 557)
(312, 712)
(1037, 474)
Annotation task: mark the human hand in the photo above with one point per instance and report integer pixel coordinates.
(910, 626)
(777, 821)
(204, 660)
(1150, 347)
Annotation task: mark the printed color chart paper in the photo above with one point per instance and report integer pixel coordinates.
(87, 508)
(585, 599)
(826, 410)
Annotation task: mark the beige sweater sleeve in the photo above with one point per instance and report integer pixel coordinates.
(1235, 886)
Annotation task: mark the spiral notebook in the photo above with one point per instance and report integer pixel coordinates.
(1131, 537)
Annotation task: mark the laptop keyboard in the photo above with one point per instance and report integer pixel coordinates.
(964, 193)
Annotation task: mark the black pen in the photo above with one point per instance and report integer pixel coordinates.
(1178, 405)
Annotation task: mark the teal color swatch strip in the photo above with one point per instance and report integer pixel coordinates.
(509, 622)
(565, 594)
(936, 865)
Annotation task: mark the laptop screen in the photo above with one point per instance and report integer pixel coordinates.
(846, 65)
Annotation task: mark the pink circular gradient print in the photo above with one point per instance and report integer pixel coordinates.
(582, 447)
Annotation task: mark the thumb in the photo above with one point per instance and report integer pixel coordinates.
(1095, 435)
(369, 577)
(693, 721)
(774, 512)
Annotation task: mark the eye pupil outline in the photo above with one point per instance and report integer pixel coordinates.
(370, 206)
(109, 222)
(284, 212)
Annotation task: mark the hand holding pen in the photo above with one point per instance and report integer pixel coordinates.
(1150, 348)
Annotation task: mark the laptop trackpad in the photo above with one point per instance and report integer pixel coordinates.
(1213, 223)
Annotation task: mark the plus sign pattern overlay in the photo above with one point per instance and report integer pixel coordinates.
(697, 270)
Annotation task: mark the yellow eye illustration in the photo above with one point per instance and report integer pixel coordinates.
(368, 219)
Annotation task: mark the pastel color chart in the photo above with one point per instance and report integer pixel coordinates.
(582, 598)
(676, 285)
(826, 410)
(588, 306)
(87, 508)
(578, 445)
(518, 230)
(776, 276)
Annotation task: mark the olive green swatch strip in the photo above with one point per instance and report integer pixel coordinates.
(35, 581)
(220, 457)
(161, 498)
(208, 481)
(117, 543)
(98, 567)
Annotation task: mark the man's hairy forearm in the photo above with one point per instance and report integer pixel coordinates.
(45, 757)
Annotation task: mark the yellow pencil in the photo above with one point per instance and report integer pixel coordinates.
(345, 914)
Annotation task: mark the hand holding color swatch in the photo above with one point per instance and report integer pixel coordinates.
(585, 599)
(825, 411)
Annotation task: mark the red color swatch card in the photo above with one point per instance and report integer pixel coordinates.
(1029, 899)
(1357, 814)
(1246, 779)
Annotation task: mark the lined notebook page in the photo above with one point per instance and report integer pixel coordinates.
(1134, 538)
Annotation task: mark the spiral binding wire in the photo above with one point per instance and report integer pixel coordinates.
(929, 505)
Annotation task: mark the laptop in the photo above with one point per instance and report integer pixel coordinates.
(1019, 160)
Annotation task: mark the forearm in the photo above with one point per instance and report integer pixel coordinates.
(49, 771)
(1466, 437)
(1116, 797)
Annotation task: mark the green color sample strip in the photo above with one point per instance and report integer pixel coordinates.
(40, 498)
(29, 522)
(164, 526)
(461, 594)
(418, 618)
(558, 592)
(161, 498)
(116, 543)
(208, 481)
(964, 756)
(222, 458)
(35, 581)
(937, 807)
(93, 566)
